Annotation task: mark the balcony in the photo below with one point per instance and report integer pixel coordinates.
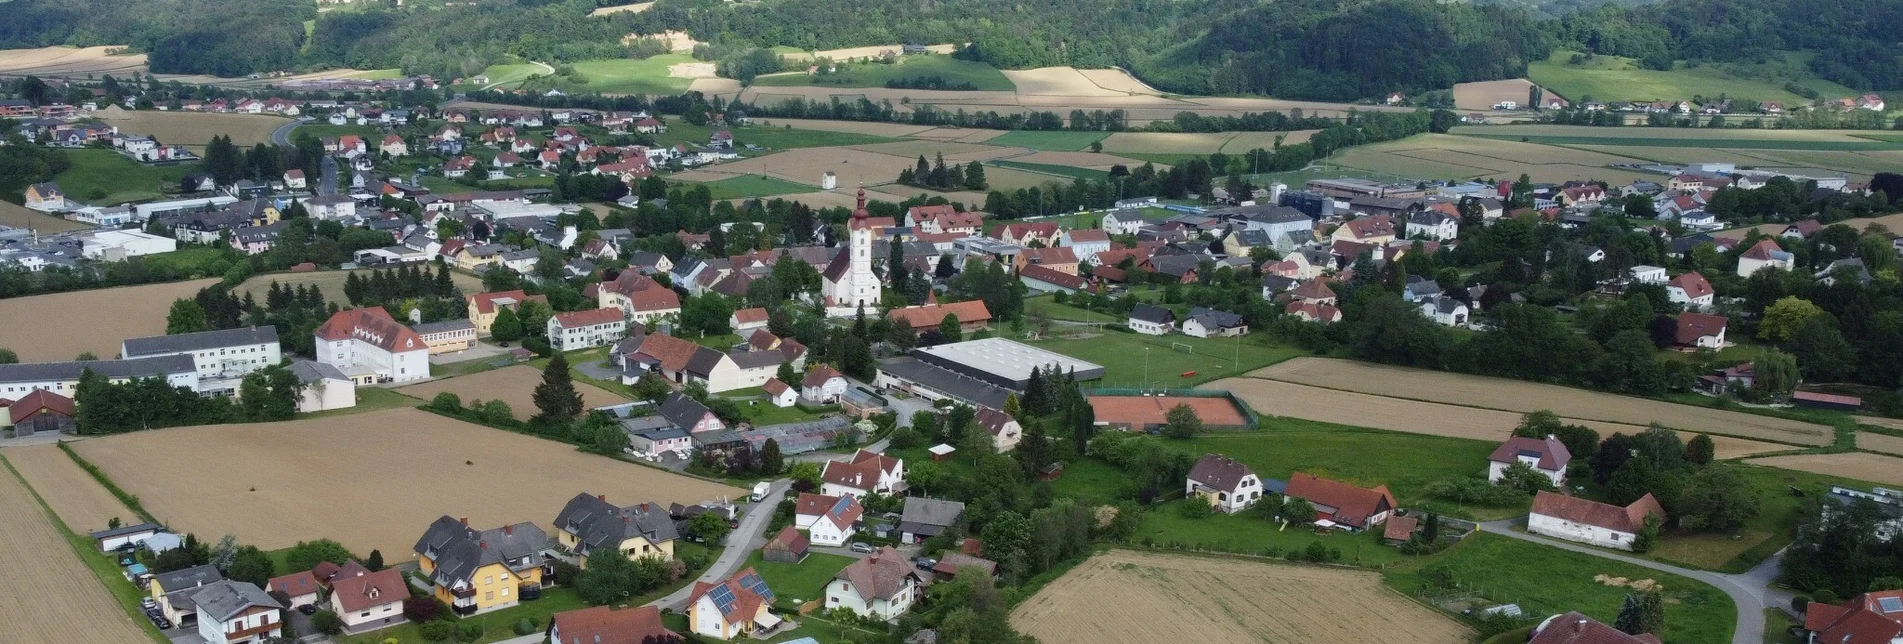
(465, 592)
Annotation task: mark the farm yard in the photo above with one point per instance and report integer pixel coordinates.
(193, 130)
(513, 385)
(1877, 468)
(50, 596)
(331, 283)
(94, 321)
(1123, 597)
(388, 473)
(1520, 397)
(81, 502)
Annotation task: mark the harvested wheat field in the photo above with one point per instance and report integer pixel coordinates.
(81, 502)
(60, 326)
(1485, 94)
(1117, 80)
(806, 165)
(1862, 466)
(1057, 81)
(1092, 160)
(1880, 443)
(370, 480)
(894, 130)
(870, 51)
(194, 129)
(1520, 397)
(725, 87)
(1246, 141)
(18, 216)
(1122, 596)
(1167, 142)
(69, 61)
(954, 152)
(1277, 398)
(331, 283)
(50, 596)
(1879, 421)
(514, 385)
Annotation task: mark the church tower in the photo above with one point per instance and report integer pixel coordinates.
(862, 286)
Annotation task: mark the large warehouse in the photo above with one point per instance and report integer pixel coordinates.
(1002, 362)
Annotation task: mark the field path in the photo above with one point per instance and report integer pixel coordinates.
(48, 595)
(81, 502)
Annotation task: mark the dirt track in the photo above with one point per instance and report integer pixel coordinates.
(48, 594)
(81, 502)
(372, 480)
(1126, 597)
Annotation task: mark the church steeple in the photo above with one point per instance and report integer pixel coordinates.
(859, 214)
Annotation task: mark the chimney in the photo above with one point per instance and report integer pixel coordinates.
(482, 545)
(465, 522)
(603, 497)
(508, 529)
(1579, 625)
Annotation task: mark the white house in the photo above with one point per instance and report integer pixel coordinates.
(325, 387)
(1545, 455)
(745, 320)
(369, 347)
(1149, 319)
(1702, 331)
(731, 609)
(823, 385)
(1764, 254)
(881, 586)
(1691, 290)
(1648, 274)
(1004, 430)
(1086, 243)
(1211, 323)
(1575, 519)
(576, 330)
(866, 472)
(780, 393)
(828, 520)
(223, 357)
(301, 588)
(235, 612)
(1445, 310)
(1432, 224)
(1228, 486)
(368, 601)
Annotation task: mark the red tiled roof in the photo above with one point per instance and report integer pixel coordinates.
(655, 299)
(774, 387)
(1586, 512)
(1315, 289)
(588, 317)
(1319, 312)
(1552, 454)
(1813, 396)
(881, 575)
(1692, 326)
(1051, 255)
(746, 603)
(1088, 235)
(1762, 250)
(928, 213)
(373, 325)
(486, 302)
(819, 375)
(39, 399)
(1051, 276)
(294, 584)
(609, 625)
(673, 353)
(1373, 226)
(1574, 628)
(1400, 528)
(930, 315)
(360, 593)
(1693, 284)
(750, 316)
(1353, 505)
(789, 538)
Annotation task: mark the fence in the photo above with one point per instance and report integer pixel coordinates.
(1249, 417)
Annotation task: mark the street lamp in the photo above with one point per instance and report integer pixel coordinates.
(1146, 368)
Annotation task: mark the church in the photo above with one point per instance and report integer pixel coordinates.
(849, 280)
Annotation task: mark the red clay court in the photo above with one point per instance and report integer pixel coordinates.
(1148, 411)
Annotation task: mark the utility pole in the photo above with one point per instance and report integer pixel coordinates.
(1146, 368)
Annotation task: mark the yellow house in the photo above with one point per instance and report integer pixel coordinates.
(483, 307)
(732, 608)
(477, 571)
(589, 523)
(173, 590)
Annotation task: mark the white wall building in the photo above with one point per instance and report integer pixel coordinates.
(223, 357)
(583, 329)
(235, 612)
(62, 378)
(828, 519)
(1547, 456)
(117, 245)
(325, 387)
(1228, 486)
(882, 586)
(369, 347)
(1575, 519)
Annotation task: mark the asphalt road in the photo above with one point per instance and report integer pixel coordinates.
(750, 535)
(1751, 591)
(282, 135)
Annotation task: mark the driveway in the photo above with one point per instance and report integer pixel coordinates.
(1750, 591)
(743, 540)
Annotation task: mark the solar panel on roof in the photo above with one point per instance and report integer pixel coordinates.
(1890, 604)
(757, 585)
(723, 598)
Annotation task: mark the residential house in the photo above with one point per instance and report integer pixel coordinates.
(1701, 331)
(1227, 485)
(1433, 224)
(368, 601)
(609, 625)
(1547, 456)
(731, 609)
(1871, 618)
(881, 586)
(1591, 522)
(1311, 312)
(1373, 229)
(589, 523)
(302, 588)
(745, 320)
(1338, 503)
(1691, 290)
(1045, 280)
(1086, 243)
(1764, 254)
(823, 385)
(1314, 291)
(576, 330)
(829, 520)
(393, 145)
(173, 591)
(1150, 319)
(639, 297)
(923, 518)
(236, 612)
(477, 571)
(688, 414)
(483, 307)
(1059, 258)
(1025, 234)
(294, 179)
(972, 315)
(866, 472)
(370, 347)
(1211, 323)
(1576, 628)
(1446, 311)
(1647, 274)
(1004, 430)
(787, 546)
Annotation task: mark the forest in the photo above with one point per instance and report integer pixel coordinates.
(1854, 39)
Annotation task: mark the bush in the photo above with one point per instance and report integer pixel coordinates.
(565, 574)
(1194, 508)
(422, 609)
(525, 626)
(327, 622)
(446, 402)
(438, 631)
(469, 631)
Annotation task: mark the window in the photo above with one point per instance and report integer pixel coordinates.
(488, 580)
(488, 596)
(505, 592)
(364, 614)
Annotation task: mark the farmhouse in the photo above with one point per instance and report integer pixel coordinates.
(1150, 319)
(1874, 617)
(972, 316)
(924, 518)
(1338, 503)
(1599, 524)
(1702, 331)
(477, 571)
(222, 357)
(828, 520)
(1547, 456)
(368, 601)
(732, 608)
(1228, 486)
(609, 625)
(1575, 628)
(589, 522)
(881, 586)
(866, 472)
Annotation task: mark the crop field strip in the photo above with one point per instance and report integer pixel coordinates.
(80, 501)
(1878, 468)
(49, 595)
(94, 321)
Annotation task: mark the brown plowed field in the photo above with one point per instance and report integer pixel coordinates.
(49, 595)
(1521, 397)
(514, 385)
(372, 480)
(18, 216)
(1863, 466)
(60, 326)
(1880, 443)
(81, 502)
(1277, 398)
(194, 129)
(1125, 597)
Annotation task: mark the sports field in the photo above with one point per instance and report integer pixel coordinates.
(60, 326)
(1612, 78)
(751, 185)
(331, 283)
(107, 178)
(1520, 397)
(514, 385)
(50, 595)
(1141, 411)
(369, 481)
(81, 502)
(1128, 597)
(872, 74)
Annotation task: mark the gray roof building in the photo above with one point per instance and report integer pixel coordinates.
(157, 366)
(596, 523)
(945, 382)
(188, 342)
(682, 410)
(459, 550)
(308, 372)
(179, 585)
(445, 325)
(929, 517)
(224, 600)
(1152, 313)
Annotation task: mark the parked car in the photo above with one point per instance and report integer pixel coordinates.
(308, 609)
(161, 622)
(148, 603)
(862, 547)
(925, 563)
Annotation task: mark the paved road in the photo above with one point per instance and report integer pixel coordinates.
(750, 535)
(282, 135)
(1751, 591)
(327, 176)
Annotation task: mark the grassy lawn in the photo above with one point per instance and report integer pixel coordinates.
(628, 76)
(825, 631)
(1089, 479)
(495, 624)
(1123, 356)
(104, 177)
(371, 399)
(786, 138)
(194, 260)
(1245, 533)
(1366, 457)
(1547, 581)
(1050, 307)
(1762, 536)
(754, 186)
(510, 73)
(1777, 627)
(1163, 158)
(804, 581)
(1061, 141)
(1057, 170)
(1612, 78)
(952, 70)
(1741, 142)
